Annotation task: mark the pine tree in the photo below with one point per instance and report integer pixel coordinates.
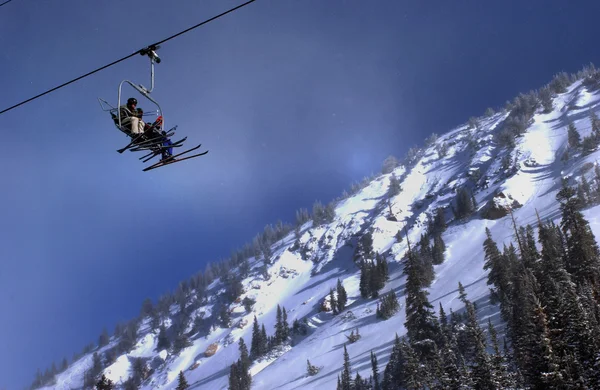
(333, 302)
(482, 368)
(375, 368)
(421, 323)
(244, 355)
(425, 261)
(104, 338)
(243, 367)
(546, 99)
(234, 381)
(500, 376)
(346, 381)
(255, 345)
(104, 384)
(279, 332)
(595, 124)
(264, 341)
(64, 365)
(365, 280)
(388, 305)
(182, 382)
(163, 341)
(359, 383)
(462, 295)
(439, 247)
(574, 136)
(499, 273)
(286, 325)
(181, 341)
(439, 222)
(364, 247)
(342, 297)
(464, 203)
(583, 259)
(395, 187)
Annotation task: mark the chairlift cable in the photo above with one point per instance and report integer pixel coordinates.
(6, 2)
(141, 51)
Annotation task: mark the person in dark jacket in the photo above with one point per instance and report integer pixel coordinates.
(130, 119)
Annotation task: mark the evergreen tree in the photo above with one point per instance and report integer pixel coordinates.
(375, 368)
(389, 164)
(243, 367)
(499, 273)
(583, 254)
(437, 224)
(595, 124)
(546, 99)
(255, 345)
(234, 381)
(500, 375)
(382, 267)
(359, 383)
(462, 295)
(364, 247)
(346, 381)
(388, 305)
(140, 371)
(64, 365)
(248, 303)
(147, 308)
(286, 326)
(333, 302)
(181, 341)
(182, 383)
(482, 368)
(421, 324)
(104, 338)
(425, 261)
(464, 204)
(342, 297)
(244, 355)
(574, 136)
(104, 384)
(395, 187)
(365, 279)
(163, 341)
(394, 372)
(128, 337)
(130, 385)
(96, 365)
(439, 247)
(279, 332)
(264, 341)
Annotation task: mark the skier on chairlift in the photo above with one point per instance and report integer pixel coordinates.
(144, 137)
(130, 119)
(167, 151)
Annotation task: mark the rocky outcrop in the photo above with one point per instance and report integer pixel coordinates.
(499, 206)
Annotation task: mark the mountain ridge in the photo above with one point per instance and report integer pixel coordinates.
(305, 264)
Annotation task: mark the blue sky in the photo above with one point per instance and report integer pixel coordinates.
(294, 100)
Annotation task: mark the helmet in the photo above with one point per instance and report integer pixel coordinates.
(132, 101)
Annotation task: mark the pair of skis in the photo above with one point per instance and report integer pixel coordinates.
(174, 159)
(156, 146)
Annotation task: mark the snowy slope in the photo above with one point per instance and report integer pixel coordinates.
(301, 285)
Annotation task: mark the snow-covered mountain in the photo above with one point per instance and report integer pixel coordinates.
(303, 271)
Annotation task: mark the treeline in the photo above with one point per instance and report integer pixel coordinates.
(523, 107)
(548, 299)
(189, 295)
(261, 346)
